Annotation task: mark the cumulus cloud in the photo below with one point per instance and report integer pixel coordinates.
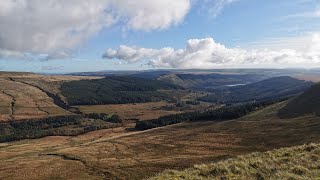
(52, 26)
(135, 54)
(148, 15)
(206, 53)
(38, 26)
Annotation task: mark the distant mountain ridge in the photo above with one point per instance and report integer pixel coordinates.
(277, 87)
(210, 81)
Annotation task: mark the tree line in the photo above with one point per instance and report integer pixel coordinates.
(221, 114)
(71, 125)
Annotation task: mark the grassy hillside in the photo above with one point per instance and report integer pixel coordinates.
(115, 90)
(121, 154)
(209, 81)
(267, 89)
(32, 96)
(306, 103)
(20, 101)
(301, 162)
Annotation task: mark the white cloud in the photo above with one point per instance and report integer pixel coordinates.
(52, 26)
(11, 54)
(206, 53)
(38, 26)
(135, 54)
(215, 7)
(149, 15)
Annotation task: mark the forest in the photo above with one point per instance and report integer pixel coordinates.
(115, 90)
(71, 125)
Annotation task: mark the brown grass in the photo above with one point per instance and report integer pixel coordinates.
(141, 111)
(30, 101)
(117, 153)
(301, 162)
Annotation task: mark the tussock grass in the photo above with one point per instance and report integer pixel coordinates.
(300, 162)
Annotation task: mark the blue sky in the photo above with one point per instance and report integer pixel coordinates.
(228, 29)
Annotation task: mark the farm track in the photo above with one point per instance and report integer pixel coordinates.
(12, 104)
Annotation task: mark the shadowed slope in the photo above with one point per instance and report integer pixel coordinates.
(306, 103)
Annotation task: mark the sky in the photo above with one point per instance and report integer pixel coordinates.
(58, 36)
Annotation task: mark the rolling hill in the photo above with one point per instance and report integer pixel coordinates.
(209, 80)
(115, 90)
(97, 149)
(20, 100)
(121, 154)
(306, 103)
(272, 88)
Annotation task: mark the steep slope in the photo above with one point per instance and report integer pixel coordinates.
(22, 101)
(300, 162)
(26, 96)
(306, 103)
(267, 89)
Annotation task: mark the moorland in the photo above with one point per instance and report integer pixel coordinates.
(135, 125)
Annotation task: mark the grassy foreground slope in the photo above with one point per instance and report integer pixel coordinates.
(300, 162)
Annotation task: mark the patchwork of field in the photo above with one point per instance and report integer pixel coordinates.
(141, 111)
(121, 154)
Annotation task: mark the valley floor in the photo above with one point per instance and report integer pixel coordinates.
(121, 154)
